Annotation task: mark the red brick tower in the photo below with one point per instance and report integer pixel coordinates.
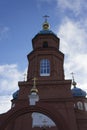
(47, 102)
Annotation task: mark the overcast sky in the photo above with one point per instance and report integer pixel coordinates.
(21, 20)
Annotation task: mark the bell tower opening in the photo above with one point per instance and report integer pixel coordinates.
(45, 44)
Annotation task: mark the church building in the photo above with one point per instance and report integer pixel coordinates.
(45, 100)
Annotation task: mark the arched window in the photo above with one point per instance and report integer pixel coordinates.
(44, 67)
(80, 105)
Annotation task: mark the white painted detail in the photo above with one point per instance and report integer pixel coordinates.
(33, 98)
(41, 120)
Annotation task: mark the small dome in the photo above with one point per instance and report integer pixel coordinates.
(46, 29)
(15, 94)
(77, 92)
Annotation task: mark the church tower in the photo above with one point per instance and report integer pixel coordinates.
(45, 100)
(46, 61)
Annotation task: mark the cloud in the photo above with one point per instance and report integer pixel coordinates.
(9, 77)
(73, 37)
(3, 32)
(76, 6)
(72, 7)
(5, 103)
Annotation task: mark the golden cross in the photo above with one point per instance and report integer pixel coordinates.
(46, 16)
(72, 75)
(34, 79)
(73, 81)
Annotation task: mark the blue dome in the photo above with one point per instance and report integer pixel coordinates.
(46, 32)
(77, 92)
(15, 94)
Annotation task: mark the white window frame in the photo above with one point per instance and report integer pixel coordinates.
(44, 67)
(80, 105)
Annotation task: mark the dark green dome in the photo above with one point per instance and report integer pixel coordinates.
(46, 32)
(15, 94)
(77, 92)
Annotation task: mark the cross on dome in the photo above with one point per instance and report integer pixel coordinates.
(34, 79)
(46, 25)
(72, 75)
(45, 17)
(73, 80)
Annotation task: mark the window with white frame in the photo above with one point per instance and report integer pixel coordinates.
(44, 67)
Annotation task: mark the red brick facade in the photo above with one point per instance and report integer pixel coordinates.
(56, 99)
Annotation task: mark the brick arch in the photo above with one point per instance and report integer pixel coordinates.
(60, 124)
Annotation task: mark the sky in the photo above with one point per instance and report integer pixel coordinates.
(21, 20)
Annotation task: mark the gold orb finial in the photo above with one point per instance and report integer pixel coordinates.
(46, 25)
(34, 89)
